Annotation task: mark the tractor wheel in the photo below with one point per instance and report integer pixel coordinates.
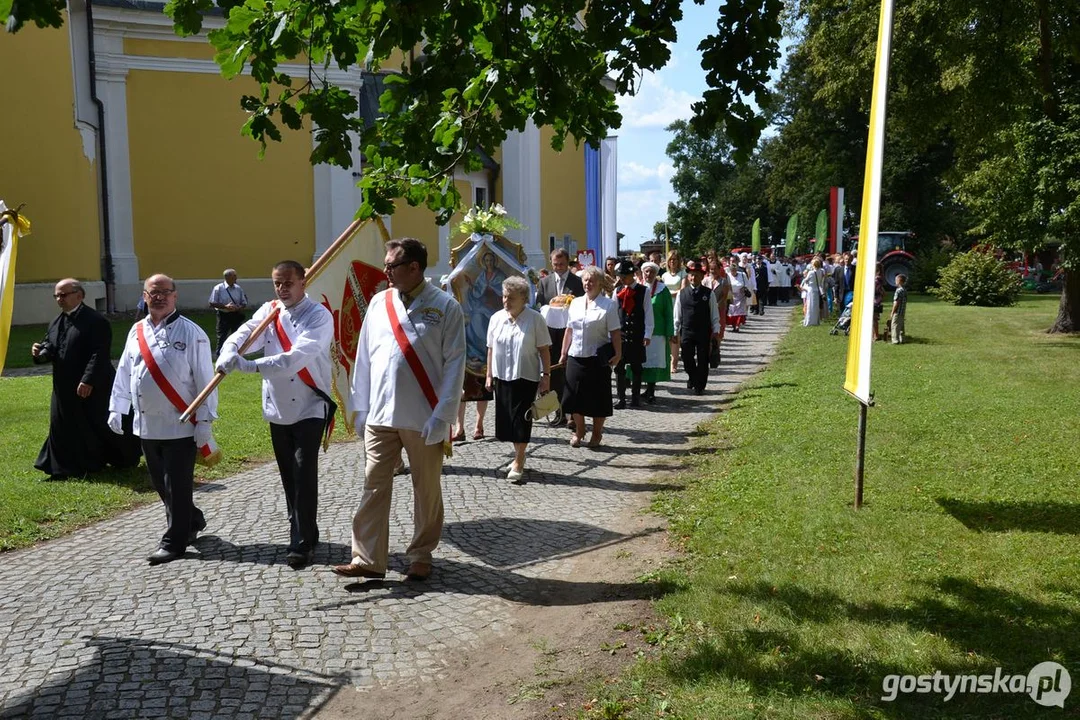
(892, 268)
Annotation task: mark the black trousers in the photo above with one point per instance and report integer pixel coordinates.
(227, 324)
(695, 358)
(296, 448)
(635, 383)
(774, 294)
(785, 294)
(172, 470)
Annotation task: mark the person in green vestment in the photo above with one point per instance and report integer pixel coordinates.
(657, 366)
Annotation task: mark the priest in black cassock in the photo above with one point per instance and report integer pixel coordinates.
(77, 344)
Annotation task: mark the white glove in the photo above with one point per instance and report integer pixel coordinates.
(116, 423)
(204, 434)
(435, 431)
(359, 420)
(226, 362)
(244, 365)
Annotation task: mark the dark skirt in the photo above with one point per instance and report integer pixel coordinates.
(588, 387)
(513, 398)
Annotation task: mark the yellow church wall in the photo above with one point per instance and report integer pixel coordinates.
(201, 198)
(562, 190)
(192, 50)
(44, 163)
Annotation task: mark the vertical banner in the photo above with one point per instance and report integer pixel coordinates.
(592, 199)
(609, 187)
(860, 340)
(755, 236)
(821, 231)
(836, 219)
(790, 233)
(12, 227)
(345, 286)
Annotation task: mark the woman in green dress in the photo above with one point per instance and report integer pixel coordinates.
(657, 367)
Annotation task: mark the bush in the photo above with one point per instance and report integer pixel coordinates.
(924, 273)
(977, 278)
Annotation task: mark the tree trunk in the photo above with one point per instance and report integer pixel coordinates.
(1068, 319)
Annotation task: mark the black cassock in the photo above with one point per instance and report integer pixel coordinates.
(80, 441)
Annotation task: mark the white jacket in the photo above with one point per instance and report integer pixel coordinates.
(310, 329)
(182, 351)
(385, 392)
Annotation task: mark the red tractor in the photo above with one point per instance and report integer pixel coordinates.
(892, 255)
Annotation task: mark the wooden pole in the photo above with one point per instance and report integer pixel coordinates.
(313, 272)
(860, 454)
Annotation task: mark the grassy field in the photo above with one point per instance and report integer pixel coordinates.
(964, 558)
(32, 509)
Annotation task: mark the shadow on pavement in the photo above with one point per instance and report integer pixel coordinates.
(452, 576)
(136, 678)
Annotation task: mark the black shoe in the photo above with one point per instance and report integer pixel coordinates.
(194, 534)
(621, 405)
(650, 399)
(297, 559)
(689, 384)
(699, 391)
(635, 402)
(161, 555)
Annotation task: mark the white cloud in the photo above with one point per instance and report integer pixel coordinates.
(656, 105)
(636, 175)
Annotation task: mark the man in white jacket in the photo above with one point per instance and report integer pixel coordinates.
(165, 364)
(296, 389)
(410, 363)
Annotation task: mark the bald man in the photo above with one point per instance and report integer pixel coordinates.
(77, 344)
(166, 363)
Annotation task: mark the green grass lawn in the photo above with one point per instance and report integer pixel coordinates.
(964, 558)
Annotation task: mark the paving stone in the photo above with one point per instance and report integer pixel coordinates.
(231, 631)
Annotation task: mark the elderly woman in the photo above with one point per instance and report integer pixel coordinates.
(740, 295)
(591, 347)
(518, 365)
(657, 367)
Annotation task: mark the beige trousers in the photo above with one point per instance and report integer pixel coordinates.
(371, 523)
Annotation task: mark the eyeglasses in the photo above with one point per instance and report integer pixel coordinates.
(158, 294)
(61, 296)
(390, 266)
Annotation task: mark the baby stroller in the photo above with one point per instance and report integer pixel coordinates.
(843, 322)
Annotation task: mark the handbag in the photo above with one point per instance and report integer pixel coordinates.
(746, 292)
(543, 406)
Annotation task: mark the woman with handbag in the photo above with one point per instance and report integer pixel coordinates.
(591, 347)
(518, 365)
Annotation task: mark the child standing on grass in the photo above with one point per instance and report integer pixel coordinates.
(899, 310)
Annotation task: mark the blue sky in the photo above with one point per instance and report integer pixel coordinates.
(644, 168)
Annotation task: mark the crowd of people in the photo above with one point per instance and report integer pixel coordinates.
(633, 323)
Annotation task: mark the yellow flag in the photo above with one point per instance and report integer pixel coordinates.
(12, 227)
(860, 340)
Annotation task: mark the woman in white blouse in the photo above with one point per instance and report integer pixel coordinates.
(591, 347)
(518, 365)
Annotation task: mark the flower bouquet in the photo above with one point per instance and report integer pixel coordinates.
(490, 221)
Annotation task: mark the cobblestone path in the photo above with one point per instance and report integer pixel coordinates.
(89, 630)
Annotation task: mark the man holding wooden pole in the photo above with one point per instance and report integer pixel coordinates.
(295, 368)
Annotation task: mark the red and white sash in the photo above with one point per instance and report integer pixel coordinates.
(405, 341)
(150, 356)
(305, 375)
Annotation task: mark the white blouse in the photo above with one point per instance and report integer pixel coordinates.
(591, 323)
(674, 281)
(515, 345)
